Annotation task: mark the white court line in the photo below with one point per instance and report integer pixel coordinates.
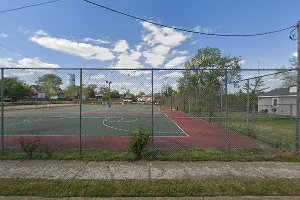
(187, 135)
(120, 129)
(120, 119)
(103, 122)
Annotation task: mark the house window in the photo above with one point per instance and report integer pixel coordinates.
(275, 102)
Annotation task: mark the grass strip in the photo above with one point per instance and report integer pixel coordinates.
(251, 154)
(150, 188)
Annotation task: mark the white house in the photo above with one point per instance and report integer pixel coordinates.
(145, 98)
(280, 101)
(37, 92)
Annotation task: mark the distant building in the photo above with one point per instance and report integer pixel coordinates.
(128, 98)
(37, 92)
(280, 101)
(58, 94)
(71, 80)
(146, 98)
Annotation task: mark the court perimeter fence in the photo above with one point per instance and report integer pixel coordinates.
(210, 112)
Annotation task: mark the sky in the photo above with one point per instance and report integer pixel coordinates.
(73, 33)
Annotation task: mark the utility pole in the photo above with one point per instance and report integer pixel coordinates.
(109, 82)
(298, 90)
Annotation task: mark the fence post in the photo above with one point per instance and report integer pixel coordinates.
(227, 123)
(152, 116)
(2, 112)
(171, 102)
(248, 104)
(298, 110)
(291, 111)
(80, 111)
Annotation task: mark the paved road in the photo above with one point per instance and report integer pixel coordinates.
(145, 170)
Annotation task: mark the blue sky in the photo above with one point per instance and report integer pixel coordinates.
(72, 33)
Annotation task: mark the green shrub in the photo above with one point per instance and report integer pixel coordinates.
(29, 146)
(138, 140)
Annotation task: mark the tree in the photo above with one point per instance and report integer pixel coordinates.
(89, 91)
(205, 76)
(71, 92)
(15, 89)
(50, 83)
(140, 94)
(256, 88)
(169, 91)
(289, 78)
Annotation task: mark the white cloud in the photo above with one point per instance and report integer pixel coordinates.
(97, 41)
(6, 62)
(121, 46)
(165, 36)
(295, 54)
(197, 28)
(130, 61)
(242, 62)
(26, 63)
(157, 55)
(86, 51)
(41, 33)
(22, 74)
(173, 75)
(27, 75)
(35, 63)
(97, 77)
(174, 52)
(138, 47)
(194, 42)
(176, 62)
(159, 42)
(3, 35)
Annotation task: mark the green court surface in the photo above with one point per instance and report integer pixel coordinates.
(97, 120)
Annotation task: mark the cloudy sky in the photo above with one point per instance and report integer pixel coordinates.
(72, 33)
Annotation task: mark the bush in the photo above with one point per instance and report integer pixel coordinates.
(138, 140)
(29, 146)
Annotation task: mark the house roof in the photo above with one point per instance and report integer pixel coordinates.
(128, 96)
(280, 92)
(38, 88)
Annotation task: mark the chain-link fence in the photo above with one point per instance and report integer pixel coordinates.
(187, 112)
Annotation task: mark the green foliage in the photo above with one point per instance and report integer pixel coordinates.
(168, 91)
(29, 146)
(89, 91)
(140, 94)
(289, 78)
(205, 78)
(138, 141)
(71, 92)
(15, 89)
(50, 83)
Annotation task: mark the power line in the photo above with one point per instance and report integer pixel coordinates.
(12, 50)
(28, 6)
(189, 31)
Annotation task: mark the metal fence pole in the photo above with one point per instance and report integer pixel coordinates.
(171, 102)
(152, 116)
(298, 111)
(2, 112)
(227, 117)
(248, 104)
(80, 111)
(298, 90)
